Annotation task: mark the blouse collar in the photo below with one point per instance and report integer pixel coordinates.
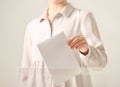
(65, 11)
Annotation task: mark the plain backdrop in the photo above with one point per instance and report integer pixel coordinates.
(15, 14)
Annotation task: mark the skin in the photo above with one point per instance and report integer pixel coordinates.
(77, 42)
(54, 7)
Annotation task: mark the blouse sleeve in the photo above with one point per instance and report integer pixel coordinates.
(96, 56)
(26, 60)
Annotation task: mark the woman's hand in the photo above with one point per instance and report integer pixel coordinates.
(80, 43)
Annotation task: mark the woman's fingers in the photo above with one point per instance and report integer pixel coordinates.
(71, 40)
(79, 44)
(76, 41)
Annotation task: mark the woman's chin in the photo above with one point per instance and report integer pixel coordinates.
(58, 1)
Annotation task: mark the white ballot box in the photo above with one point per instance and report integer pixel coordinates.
(59, 58)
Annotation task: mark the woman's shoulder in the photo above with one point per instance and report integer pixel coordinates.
(33, 22)
(82, 12)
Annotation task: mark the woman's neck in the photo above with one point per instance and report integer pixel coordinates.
(54, 9)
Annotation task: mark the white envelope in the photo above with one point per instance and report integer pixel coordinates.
(59, 58)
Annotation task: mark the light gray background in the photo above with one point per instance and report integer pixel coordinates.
(15, 14)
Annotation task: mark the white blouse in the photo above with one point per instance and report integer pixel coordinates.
(71, 21)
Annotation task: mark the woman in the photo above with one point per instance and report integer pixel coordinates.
(80, 28)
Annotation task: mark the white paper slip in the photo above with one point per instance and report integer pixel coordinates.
(59, 58)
